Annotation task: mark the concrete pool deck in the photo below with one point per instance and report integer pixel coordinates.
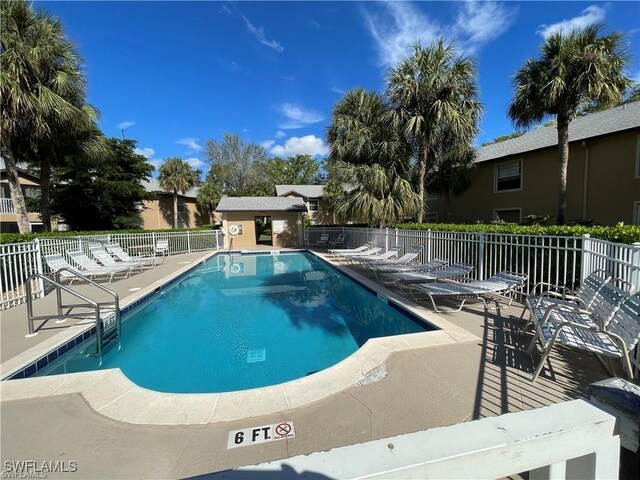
(480, 370)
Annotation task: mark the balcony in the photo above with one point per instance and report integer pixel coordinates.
(6, 206)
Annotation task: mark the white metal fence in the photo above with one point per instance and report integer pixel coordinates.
(19, 260)
(557, 260)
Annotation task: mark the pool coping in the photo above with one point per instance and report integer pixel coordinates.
(110, 393)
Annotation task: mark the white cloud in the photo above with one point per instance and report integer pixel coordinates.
(307, 145)
(338, 90)
(397, 26)
(258, 32)
(191, 144)
(280, 134)
(267, 144)
(480, 22)
(591, 14)
(194, 162)
(146, 152)
(290, 78)
(126, 124)
(297, 116)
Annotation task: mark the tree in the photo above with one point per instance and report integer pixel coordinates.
(177, 175)
(573, 71)
(234, 164)
(41, 92)
(369, 163)
(294, 170)
(209, 195)
(102, 192)
(432, 91)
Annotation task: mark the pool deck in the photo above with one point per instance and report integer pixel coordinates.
(476, 369)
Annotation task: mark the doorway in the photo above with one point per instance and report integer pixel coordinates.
(263, 230)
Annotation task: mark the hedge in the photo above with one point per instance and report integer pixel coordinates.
(27, 237)
(620, 233)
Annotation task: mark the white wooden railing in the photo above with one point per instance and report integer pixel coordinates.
(566, 440)
(6, 206)
(19, 260)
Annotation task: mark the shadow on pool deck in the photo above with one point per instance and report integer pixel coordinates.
(424, 388)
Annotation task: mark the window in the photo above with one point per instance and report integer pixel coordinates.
(31, 191)
(313, 204)
(638, 156)
(636, 213)
(181, 207)
(508, 176)
(509, 215)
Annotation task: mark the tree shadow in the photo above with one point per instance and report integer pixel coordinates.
(285, 472)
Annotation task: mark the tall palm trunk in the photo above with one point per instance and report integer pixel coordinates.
(19, 205)
(45, 192)
(422, 174)
(175, 208)
(563, 157)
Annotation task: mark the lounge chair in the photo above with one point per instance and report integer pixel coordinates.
(615, 340)
(57, 262)
(339, 251)
(435, 264)
(84, 262)
(382, 257)
(503, 283)
(411, 255)
(365, 253)
(101, 254)
(118, 251)
(403, 278)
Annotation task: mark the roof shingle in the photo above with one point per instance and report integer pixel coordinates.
(309, 191)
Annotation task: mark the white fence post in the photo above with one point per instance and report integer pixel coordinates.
(217, 239)
(39, 267)
(386, 239)
(188, 241)
(481, 247)
(585, 257)
(634, 274)
(428, 252)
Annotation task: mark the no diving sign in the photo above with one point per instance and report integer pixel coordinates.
(263, 434)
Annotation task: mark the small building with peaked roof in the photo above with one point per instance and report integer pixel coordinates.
(251, 221)
(520, 176)
(318, 211)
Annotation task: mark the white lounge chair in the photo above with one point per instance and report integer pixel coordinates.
(364, 253)
(118, 251)
(435, 264)
(101, 254)
(381, 257)
(57, 262)
(503, 283)
(84, 262)
(455, 270)
(408, 257)
(615, 340)
(338, 251)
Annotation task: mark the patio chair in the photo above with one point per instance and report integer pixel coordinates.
(388, 255)
(57, 262)
(339, 241)
(615, 340)
(403, 278)
(323, 241)
(503, 283)
(599, 312)
(408, 257)
(162, 248)
(84, 262)
(115, 249)
(364, 253)
(101, 254)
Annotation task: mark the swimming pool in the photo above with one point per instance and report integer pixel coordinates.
(244, 321)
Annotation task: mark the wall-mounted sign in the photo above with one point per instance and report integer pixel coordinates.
(278, 226)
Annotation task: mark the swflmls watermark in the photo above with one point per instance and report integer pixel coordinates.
(36, 468)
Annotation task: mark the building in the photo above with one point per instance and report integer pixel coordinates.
(158, 214)
(30, 188)
(519, 177)
(317, 209)
(251, 221)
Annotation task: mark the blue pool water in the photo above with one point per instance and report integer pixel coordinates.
(245, 321)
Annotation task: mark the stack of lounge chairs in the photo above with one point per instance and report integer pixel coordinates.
(102, 265)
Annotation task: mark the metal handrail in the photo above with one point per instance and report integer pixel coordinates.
(89, 303)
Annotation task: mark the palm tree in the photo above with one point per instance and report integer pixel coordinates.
(41, 91)
(432, 91)
(209, 195)
(177, 175)
(369, 163)
(575, 70)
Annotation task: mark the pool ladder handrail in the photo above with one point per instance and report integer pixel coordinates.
(89, 303)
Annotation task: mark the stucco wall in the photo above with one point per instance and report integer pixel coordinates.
(290, 237)
(158, 214)
(612, 187)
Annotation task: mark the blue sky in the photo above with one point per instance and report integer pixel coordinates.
(176, 74)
